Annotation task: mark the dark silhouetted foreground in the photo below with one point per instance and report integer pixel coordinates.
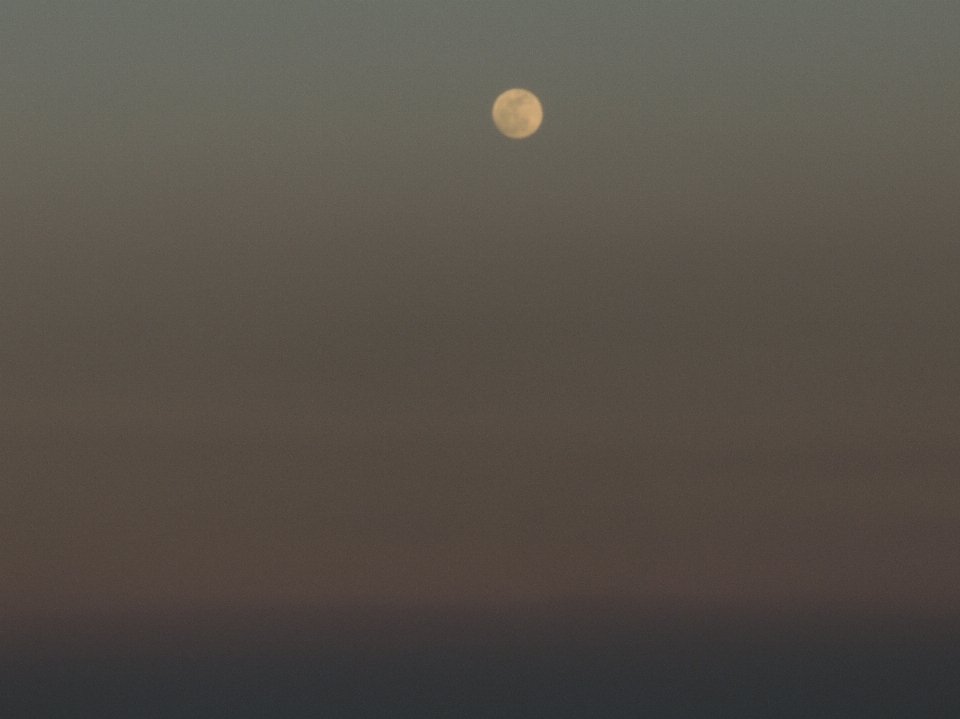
(670, 669)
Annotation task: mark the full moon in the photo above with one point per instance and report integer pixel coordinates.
(517, 113)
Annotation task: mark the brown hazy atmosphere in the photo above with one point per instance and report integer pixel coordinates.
(285, 325)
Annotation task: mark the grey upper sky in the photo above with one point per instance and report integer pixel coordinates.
(284, 319)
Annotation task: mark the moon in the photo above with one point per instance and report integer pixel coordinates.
(517, 113)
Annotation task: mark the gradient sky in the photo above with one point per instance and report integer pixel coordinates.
(285, 321)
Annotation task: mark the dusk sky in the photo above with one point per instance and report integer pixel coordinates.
(286, 323)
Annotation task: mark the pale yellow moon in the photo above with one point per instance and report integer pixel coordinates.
(517, 113)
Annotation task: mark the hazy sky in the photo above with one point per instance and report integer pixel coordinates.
(284, 320)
